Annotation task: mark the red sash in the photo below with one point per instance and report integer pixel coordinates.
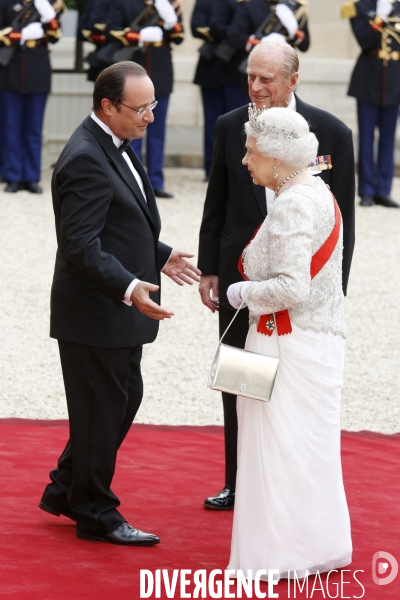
(266, 324)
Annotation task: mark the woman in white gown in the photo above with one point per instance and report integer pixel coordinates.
(290, 509)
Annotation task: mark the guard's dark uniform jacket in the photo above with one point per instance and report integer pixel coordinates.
(92, 28)
(250, 15)
(375, 83)
(376, 76)
(156, 57)
(222, 17)
(92, 24)
(211, 73)
(223, 87)
(29, 71)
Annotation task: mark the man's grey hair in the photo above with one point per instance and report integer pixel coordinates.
(289, 58)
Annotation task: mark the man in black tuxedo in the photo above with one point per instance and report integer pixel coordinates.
(105, 297)
(235, 207)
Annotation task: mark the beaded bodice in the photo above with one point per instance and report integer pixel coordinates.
(278, 261)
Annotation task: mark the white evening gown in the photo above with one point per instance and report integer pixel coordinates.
(290, 507)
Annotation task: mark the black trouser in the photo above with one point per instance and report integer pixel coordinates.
(104, 390)
(236, 336)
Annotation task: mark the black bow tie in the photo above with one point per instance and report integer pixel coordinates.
(124, 146)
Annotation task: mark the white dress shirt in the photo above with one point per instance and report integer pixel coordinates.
(118, 142)
(270, 194)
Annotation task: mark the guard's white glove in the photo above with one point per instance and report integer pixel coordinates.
(34, 31)
(45, 9)
(383, 8)
(274, 37)
(236, 292)
(151, 34)
(287, 18)
(166, 12)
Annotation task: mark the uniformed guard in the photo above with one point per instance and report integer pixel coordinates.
(26, 28)
(375, 83)
(2, 133)
(257, 20)
(92, 28)
(154, 54)
(223, 87)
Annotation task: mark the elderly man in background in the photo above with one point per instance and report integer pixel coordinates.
(235, 207)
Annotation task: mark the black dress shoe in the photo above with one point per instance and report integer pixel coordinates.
(160, 193)
(12, 187)
(66, 512)
(366, 200)
(33, 187)
(386, 201)
(124, 535)
(225, 500)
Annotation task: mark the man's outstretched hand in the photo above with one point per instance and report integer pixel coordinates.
(180, 270)
(141, 299)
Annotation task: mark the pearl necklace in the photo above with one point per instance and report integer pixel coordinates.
(287, 179)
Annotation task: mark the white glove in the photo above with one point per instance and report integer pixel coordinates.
(151, 34)
(383, 8)
(236, 292)
(274, 37)
(287, 18)
(34, 31)
(166, 12)
(45, 9)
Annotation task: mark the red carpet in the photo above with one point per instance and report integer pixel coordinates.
(163, 475)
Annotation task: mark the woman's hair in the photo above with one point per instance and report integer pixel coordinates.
(110, 83)
(283, 134)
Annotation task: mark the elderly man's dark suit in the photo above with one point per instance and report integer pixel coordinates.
(235, 207)
(107, 236)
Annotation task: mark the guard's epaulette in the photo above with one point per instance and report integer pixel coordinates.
(348, 10)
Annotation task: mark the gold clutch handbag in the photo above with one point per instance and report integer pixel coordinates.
(241, 372)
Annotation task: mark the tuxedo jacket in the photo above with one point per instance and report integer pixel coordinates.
(107, 235)
(235, 207)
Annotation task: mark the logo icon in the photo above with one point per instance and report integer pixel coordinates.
(242, 388)
(384, 563)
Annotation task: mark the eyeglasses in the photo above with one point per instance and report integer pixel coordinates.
(144, 109)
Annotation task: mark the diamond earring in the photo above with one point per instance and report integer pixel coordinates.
(275, 173)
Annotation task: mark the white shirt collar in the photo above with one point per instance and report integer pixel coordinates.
(115, 139)
(292, 103)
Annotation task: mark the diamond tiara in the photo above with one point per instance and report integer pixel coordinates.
(271, 130)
